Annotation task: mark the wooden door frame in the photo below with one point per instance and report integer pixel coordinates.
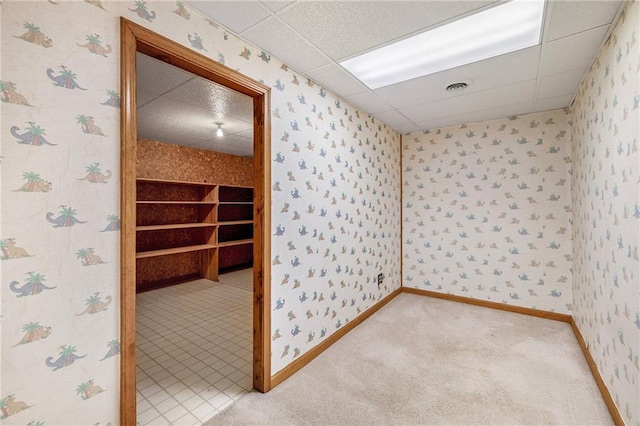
(135, 38)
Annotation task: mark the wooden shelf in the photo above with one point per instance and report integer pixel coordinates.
(212, 203)
(176, 182)
(235, 243)
(236, 186)
(164, 205)
(174, 250)
(236, 222)
(175, 226)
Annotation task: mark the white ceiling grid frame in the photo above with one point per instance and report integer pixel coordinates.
(564, 83)
(543, 41)
(367, 99)
(276, 38)
(161, 77)
(327, 74)
(566, 20)
(331, 72)
(549, 103)
(502, 96)
(236, 16)
(343, 82)
(179, 107)
(593, 15)
(472, 117)
(560, 55)
(367, 28)
(556, 102)
(515, 67)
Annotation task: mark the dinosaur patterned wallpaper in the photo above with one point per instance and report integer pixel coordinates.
(606, 199)
(487, 211)
(335, 212)
(498, 192)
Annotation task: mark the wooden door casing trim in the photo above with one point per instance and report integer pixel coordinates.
(135, 38)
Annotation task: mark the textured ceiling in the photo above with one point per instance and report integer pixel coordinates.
(178, 107)
(313, 36)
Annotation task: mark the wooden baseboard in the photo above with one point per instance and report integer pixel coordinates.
(307, 357)
(487, 304)
(608, 400)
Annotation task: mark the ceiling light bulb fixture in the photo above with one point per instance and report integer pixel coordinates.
(219, 132)
(498, 30)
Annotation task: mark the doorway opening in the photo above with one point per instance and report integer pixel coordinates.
(214, 202)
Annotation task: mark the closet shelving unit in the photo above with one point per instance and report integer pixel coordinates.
(183, 227)
(235, 221)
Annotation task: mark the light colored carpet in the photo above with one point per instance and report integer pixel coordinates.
(421, 360)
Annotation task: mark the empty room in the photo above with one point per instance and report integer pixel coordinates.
(320, 212)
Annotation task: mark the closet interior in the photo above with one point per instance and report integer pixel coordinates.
(194, 244)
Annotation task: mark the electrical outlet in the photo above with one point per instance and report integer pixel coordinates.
(380, 278)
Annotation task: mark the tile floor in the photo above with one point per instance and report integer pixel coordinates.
(194, 349)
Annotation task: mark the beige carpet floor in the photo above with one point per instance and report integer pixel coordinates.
(421, 360)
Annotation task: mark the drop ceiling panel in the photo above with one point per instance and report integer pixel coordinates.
(168, 124)
(188, 118)
(489, 99)
(369, 102)
(275, 6)
(143, 96)
(343, 28)
(495, 113)
(406, 128)
(247, 134)
(554, 103)
(281, 41)
(186, 114)
(391, 117)
(560, 84)
(234, 15)
(313, 36)
(180, 111)
(154, 121)
(219, 100)
(502, 70)
(489, 114)
(159, 77)
(572, 17)
(576, 51)
(336, 79)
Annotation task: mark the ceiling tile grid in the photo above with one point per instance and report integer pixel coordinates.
(575, 51)
(369, 102)
(489, 73)
(343, 29)
(555, 102)
(338, 79)
(314, 36)
(572, 17)
(564, 83)
(234, 15)
(178, 107)
(278, 39)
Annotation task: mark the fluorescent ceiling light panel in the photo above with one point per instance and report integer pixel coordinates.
(495, 31)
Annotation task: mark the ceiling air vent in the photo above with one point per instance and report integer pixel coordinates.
(456, 87)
